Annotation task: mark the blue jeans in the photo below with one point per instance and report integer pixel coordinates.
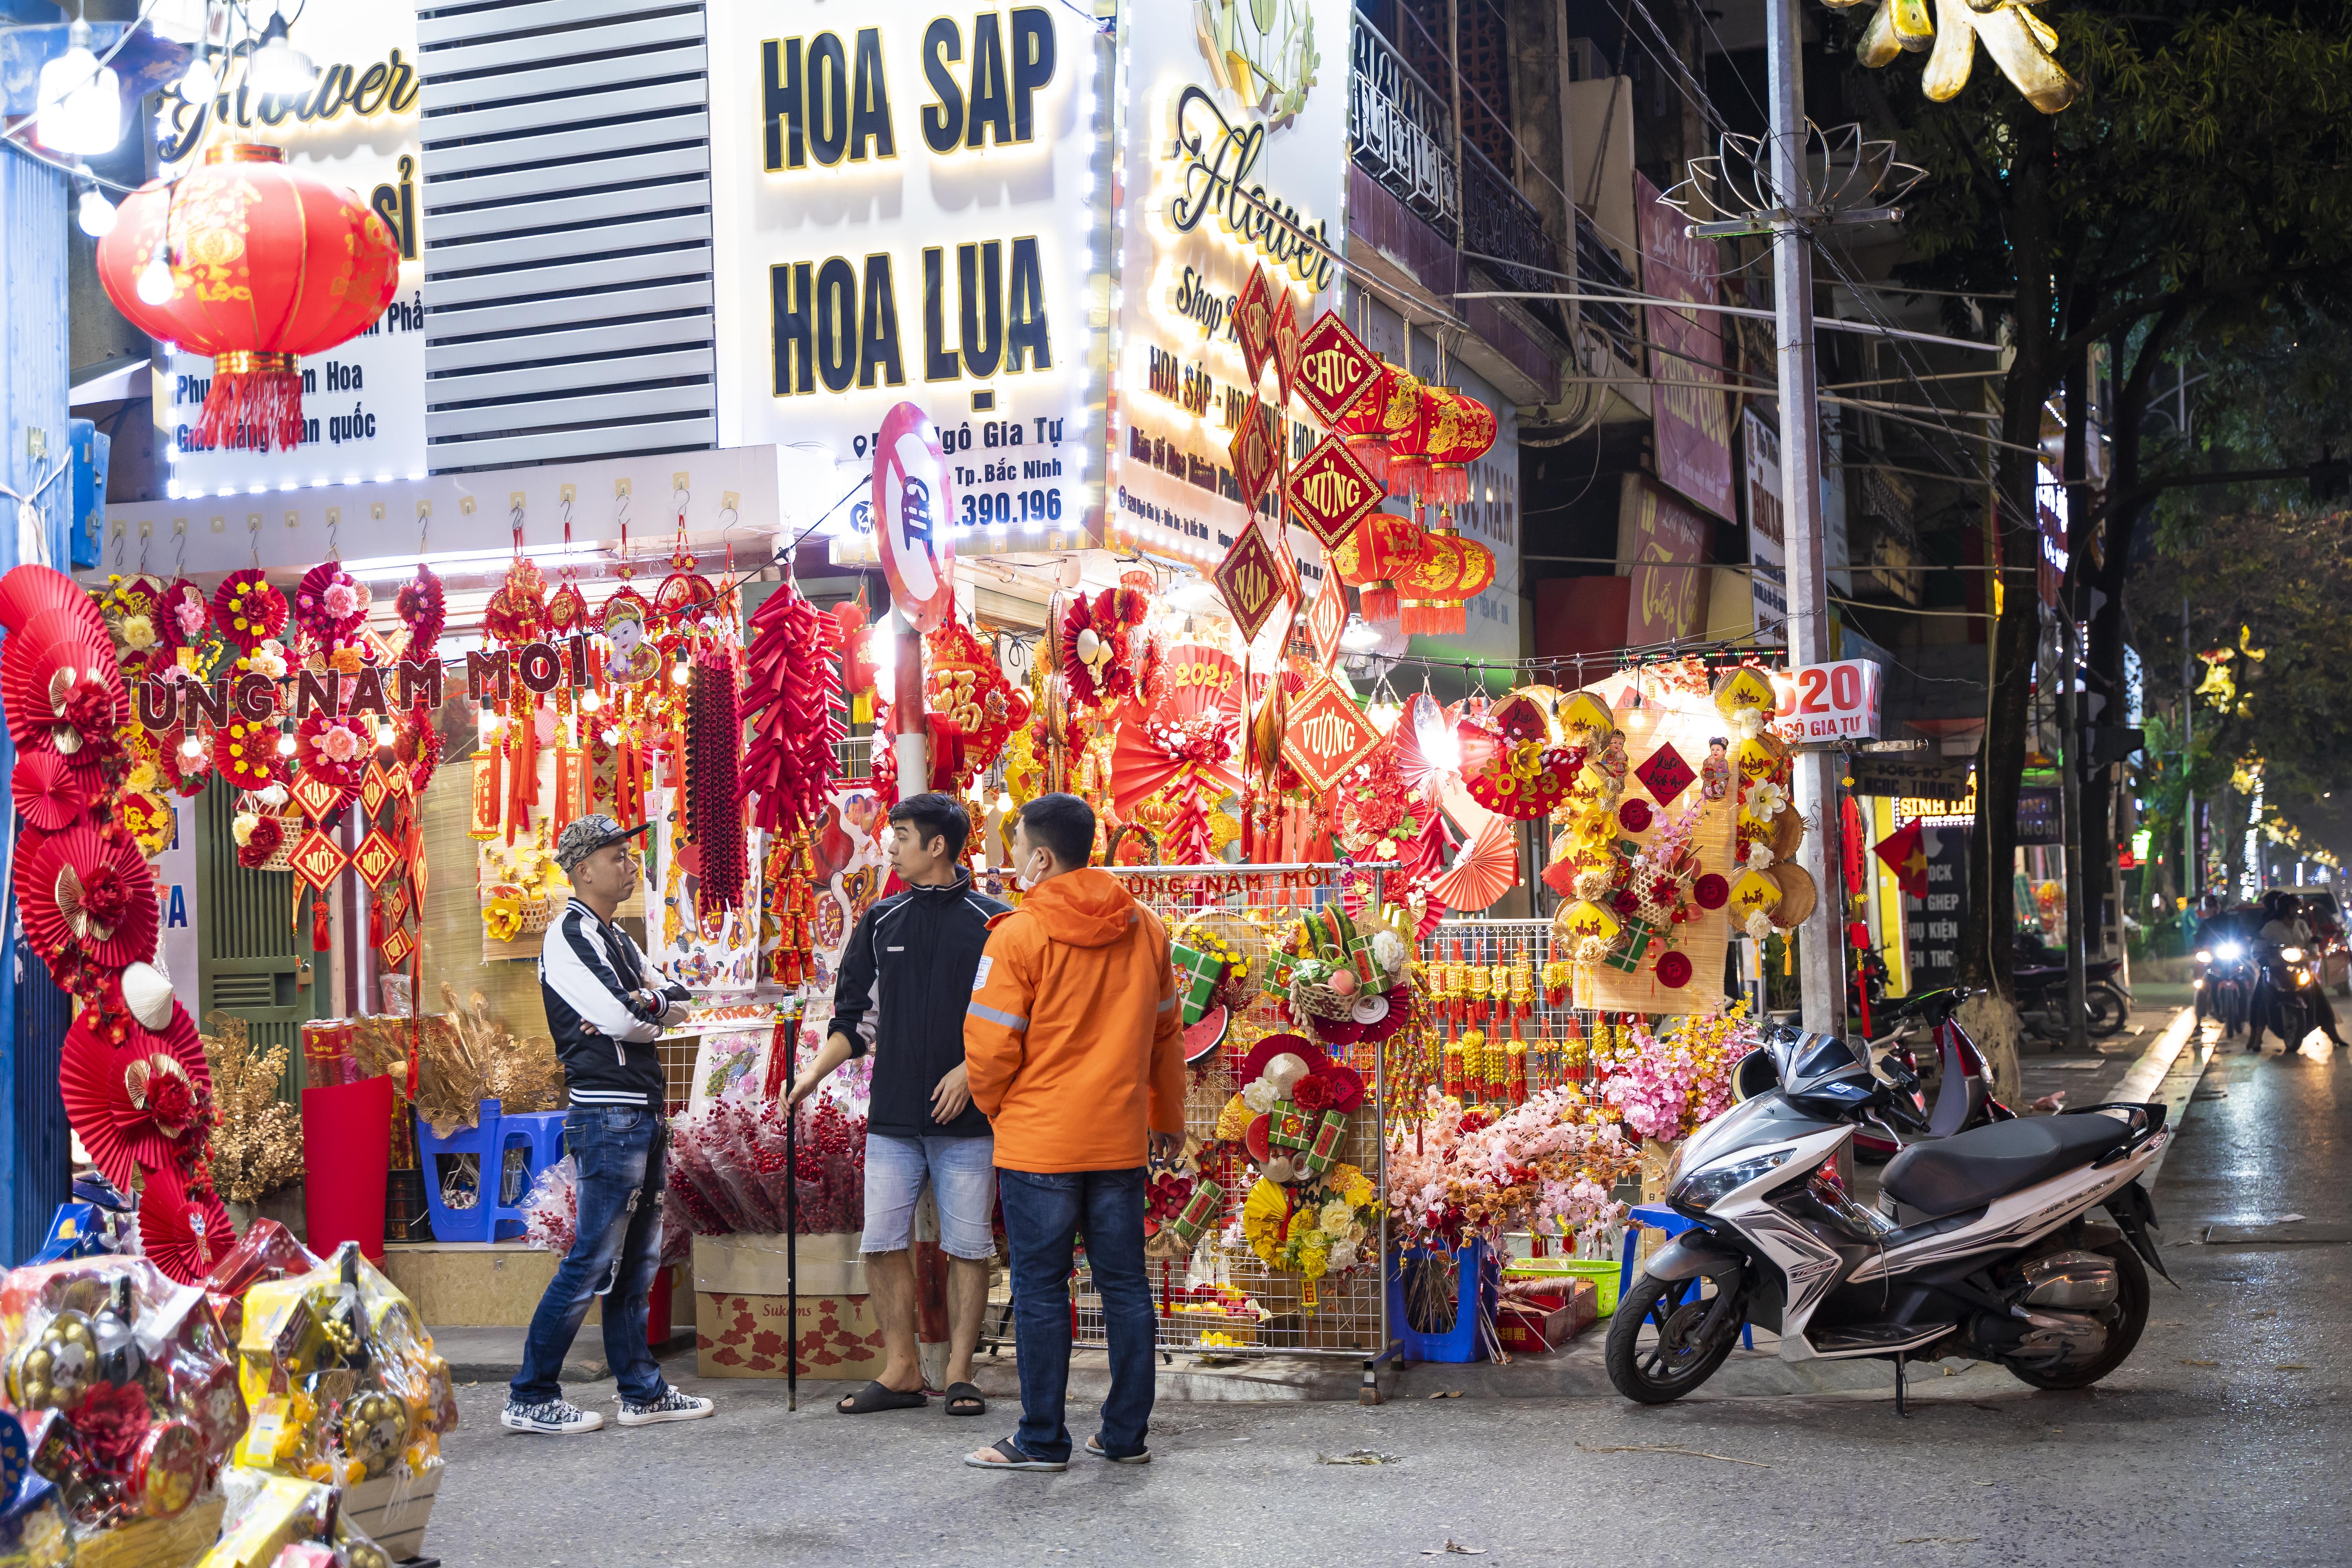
(618, 1151)
(963, 1177)
(1044, 1213)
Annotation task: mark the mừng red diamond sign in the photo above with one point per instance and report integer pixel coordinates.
(319, 860)
(1334, 368)
(1254, 324)
(1327, 618)
(397, 947)
(374, 789)
(1665, 775)
(315, 795)
(1289, 347)
(1256, 452)
(1249, 578)
(1326, 735)
(1333, 491)
(375, 858)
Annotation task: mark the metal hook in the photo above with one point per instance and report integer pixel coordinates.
(253, 530)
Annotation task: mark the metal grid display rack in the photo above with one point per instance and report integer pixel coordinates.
(1250, 906)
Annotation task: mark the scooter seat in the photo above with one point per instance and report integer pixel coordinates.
(1970, 1169)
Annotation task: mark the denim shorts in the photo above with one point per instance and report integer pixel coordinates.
(962, 1176)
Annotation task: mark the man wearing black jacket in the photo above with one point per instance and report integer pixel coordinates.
(607, 1007)
(911, 962)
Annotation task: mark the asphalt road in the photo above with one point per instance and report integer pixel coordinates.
(2222, 1441)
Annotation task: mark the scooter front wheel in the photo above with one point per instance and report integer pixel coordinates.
(1662, 1366)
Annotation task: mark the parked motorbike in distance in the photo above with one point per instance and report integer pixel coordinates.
(1964, 1096)
(2039, 973)
(1983, 1244)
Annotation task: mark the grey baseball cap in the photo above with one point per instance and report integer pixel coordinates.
(586, 835)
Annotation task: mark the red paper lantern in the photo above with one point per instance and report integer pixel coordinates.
(1380, 552)
(1381, 412)
(268, 264)
(1461, 431)
(1451, 572)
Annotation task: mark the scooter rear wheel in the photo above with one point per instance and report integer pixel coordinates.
(1672, 1364)
(2131, 1318)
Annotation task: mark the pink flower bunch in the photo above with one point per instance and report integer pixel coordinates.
(1668, 1086)
(1547, 1163)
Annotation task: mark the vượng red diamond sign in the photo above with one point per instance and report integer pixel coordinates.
(319, 860)
(1665, 775)
(1334, 368)
(1327, 618)
(1256, 452)
(1249, 578)
(1332, 492)
(1326, 734)
(1254, 324)
(315, 795)
(374, 788)
(375, 858)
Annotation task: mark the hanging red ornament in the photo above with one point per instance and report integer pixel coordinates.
(1377, 416)
(322, 939)
(247, 610)
(1461, 431)
(714, 738)
(268, 264)
(790, 689)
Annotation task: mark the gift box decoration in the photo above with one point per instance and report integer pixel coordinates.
(1290, 1127)
(1197, 974)
(1280, 969)
(1200, 1213)
(1628, 958)
(1321, 1154)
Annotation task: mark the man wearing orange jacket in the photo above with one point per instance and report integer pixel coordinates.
(1073, 1049)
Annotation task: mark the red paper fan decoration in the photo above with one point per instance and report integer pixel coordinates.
(91, 892)
(416, 746)
(1487, 868)
(140, 1103)
(61, 690)
(247, 753)
(1710, 891)
(183, 614)
(328, 604)
(26, 591)
(1674, 969)
(248, 611)
(47, 791)
(423, 609)
(1425, 743)
(183, 1234)
(337, 749)
(1633, 816)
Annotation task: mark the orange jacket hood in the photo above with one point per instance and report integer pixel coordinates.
(1085, 908)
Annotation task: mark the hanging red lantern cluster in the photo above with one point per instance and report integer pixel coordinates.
(1450, 571)
(1376, 558)
(1431, 460)
(268, 264)
(1380, 414)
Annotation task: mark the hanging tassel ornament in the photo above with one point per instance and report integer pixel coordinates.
(322, 938)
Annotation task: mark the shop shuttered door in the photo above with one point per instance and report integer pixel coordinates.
(251, 967)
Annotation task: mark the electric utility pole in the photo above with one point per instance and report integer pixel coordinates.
(1821, 945)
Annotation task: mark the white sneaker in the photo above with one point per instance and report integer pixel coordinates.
(672, 1405)
(558, 1417)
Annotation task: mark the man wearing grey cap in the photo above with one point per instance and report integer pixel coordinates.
(606, 1005)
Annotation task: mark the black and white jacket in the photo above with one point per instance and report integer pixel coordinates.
(910, 963)
(593, 977)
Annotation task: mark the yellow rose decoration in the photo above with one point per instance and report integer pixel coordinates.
(502, 919)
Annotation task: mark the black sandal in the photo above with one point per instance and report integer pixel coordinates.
(966, 1399)
(875, 1397)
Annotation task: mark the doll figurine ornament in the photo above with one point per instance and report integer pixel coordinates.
(633, 661)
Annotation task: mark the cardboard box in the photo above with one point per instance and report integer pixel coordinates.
(1531, 1325)
(392, 1510)
(830, 1264)
(739, 1335)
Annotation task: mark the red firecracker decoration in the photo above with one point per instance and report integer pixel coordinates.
(268, 264)
(714, 740)
(792, 687)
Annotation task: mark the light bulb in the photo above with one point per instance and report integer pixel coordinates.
(277, 68)
(192, 748)
(1005, 803)
(611, 737)
(95, 214)
(155, 286)
(202, 83)
(384, 736)
(680, 672)
(591, 700)
(285, 745)
(79, 108)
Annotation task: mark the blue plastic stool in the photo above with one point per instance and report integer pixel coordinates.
(539, 1135)
(483, 1143)
(1658, 1217)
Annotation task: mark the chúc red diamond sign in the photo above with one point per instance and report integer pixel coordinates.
(1256, 452)
(319, 859)
(1327, 618)
(1254, 324)
(1334, 368)
(1333, 491)
(1289, 347)
(315, 795)
(1326, 734)
(397, 947)
(374, 789)
(1665, 775)
(375, 858)
(1249, 578)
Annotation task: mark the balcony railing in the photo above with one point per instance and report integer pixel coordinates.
(1497, 221)
(1400, 132)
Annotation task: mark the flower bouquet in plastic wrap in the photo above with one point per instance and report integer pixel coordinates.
(730, 1167)
(120, 1384)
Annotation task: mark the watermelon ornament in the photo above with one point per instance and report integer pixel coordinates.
(1203, 1039)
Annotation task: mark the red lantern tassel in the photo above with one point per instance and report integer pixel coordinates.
(322, 939)
(256, 403)
(1380, 601)
(1449, 483)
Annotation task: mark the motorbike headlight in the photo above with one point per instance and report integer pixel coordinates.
(1705, 1188)
(2229, 951)
(2204, 955)
(2292, 954)
(2199, 984)
(2303, 977)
